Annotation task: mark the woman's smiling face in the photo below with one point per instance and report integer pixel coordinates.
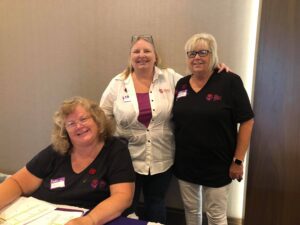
(142, 55)
(199, 64)
(81, 127)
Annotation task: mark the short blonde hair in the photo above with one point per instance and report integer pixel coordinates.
(208, 40)
(134, 39)
(60, 139)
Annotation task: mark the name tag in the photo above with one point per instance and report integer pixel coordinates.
(181, 94)
(57, 183)
(126, 98)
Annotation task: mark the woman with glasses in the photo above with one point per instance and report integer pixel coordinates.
(210, 150)
(85, 166)
(140, 100)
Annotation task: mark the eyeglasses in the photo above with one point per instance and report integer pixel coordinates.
(201, 53)
(146, 37)
(82, 121)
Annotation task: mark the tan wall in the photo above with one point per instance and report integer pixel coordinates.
(54, 49)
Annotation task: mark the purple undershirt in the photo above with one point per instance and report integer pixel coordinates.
(145, 113)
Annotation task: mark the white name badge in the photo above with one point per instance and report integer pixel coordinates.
(57, 183)
(126, 98)
(182, 93)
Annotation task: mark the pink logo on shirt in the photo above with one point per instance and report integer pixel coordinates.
(217, 97)
(213, 97)
(162, 90)
(102, 184)
(92, 171)
(94, 183)
(209, 97)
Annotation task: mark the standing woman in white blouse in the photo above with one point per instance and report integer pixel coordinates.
(140, 100)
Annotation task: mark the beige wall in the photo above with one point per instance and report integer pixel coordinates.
(54, 49)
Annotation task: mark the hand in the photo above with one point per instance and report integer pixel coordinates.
(236, 171)
(84, 220)
(222, 66)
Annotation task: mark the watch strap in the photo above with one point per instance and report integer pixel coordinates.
(237, 161)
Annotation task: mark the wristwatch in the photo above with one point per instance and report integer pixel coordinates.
(237, 161)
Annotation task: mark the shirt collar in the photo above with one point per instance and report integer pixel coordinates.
(157, 73)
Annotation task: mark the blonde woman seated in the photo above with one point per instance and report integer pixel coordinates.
(84, 166)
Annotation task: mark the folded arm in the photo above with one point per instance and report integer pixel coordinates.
(109, 209)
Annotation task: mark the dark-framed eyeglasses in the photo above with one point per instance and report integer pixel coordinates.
(201, 53)
(146, 37)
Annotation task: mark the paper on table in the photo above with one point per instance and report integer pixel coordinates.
(24, 210)
(57, 217)
(32, 211)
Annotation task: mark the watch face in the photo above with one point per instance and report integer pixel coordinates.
(238, 162)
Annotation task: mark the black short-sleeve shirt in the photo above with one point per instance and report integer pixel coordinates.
(206, 128)
(61, 185)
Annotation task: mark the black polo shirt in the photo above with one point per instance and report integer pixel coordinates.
(206, 128)
(61, 185)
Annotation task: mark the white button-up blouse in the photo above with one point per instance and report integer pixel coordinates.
(152, 147)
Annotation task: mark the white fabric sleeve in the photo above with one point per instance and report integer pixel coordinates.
(108, 98)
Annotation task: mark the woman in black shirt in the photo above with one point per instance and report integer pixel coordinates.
(208, 106)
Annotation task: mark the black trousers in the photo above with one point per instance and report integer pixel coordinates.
(154, 189)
